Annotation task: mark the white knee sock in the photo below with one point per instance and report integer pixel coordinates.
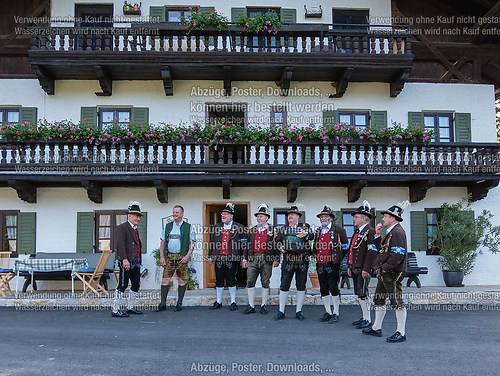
(219, 291)
(283, 300)
(300, 300)
(117, 302)
(132, 299)
(401, 319)
(327, 303)
(336, 304)
(365, 308)
(379, 317)
(265, 296)
(251, 296)
(232, 294)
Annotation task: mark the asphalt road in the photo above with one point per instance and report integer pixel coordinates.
(454, 340)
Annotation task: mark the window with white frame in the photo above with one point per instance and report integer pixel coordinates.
(114, 116)
(359, 119)
(441, 124)
(9, 115)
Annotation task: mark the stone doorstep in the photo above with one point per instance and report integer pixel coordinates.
(149, 299)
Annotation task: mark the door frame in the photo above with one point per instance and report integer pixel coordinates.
(206, 235)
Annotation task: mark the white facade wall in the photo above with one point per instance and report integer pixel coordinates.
(57, 207)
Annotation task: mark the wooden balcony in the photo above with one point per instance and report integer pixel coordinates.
(26, 166)
(299, 52)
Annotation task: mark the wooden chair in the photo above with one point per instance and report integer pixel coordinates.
(94, 275)
(6, 274)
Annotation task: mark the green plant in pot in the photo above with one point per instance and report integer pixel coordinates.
(459, 237)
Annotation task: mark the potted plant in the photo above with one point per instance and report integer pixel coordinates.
(313, 273)
(459, 236)
(267, 23)
(201, 19)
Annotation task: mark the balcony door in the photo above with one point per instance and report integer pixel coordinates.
(212, 215)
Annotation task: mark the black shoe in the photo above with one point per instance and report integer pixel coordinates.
(233, 307)
(396, 337)
(326, 317)
(363, 324)
(249, 309)
(334, 319)
(357, 322)
(369, 330)
(263, 310)
(119, 313)
(216, 305)
(300, 316)
(133, 311)
(178, 307)
(161, 307)
(279, 316)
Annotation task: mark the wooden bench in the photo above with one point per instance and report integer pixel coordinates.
(92, 260)
(412, 271)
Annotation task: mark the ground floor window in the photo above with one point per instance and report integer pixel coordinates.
(106, 223)
(8, 228)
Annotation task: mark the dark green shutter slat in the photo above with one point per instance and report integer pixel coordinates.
(378, 119)
(418, 230)
(158, 12)
(378, 219)
(288, 16)
(463, 127)
(143, 232)
(330, 118)
(26, 237)
(90, 114)
(28, 114)
(339, 218)
(85, 232)
(416, 119)
(237, 14)
(140, 115)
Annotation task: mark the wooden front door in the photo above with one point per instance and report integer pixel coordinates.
(212, 212)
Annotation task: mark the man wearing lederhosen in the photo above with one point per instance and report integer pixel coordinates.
(330, 244)
(128, 254)
(225, 250)
(360, 259)
(293, 242)
(260, 256)
(390, 265)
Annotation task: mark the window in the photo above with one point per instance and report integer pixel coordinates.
(348, 224)
(441, 125)
(350, 19)
(94, 15)
(359, 119)
(176, 14)
(8, 227)
(258, 11)
(9, 115)
(280, 217)
(432, 224)
(278, 116)
(111, 116)
(106, 223)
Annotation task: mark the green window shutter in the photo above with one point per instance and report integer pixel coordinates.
(288, 16)
(207, 9)
(26, 237)
(416, 119)
(143, 231)
(330, 118)
(159, 13)
(237, 14)
(85, 232)
(140, 115)
(339, 218)
(462, 127)
(418, 230)
(378, 219)
(28, 114)
(90, 114)
(378, 119)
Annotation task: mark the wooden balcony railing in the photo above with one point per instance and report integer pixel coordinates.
(311, 157)
(166, 37)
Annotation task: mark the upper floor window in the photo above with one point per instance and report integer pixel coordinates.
(94, 15)
(8, 229)
(258, 11)
(441, 125)
(350, 19)
(114, 116)
(359, 119)
(175, 14)
(9, 115)
(278, 116)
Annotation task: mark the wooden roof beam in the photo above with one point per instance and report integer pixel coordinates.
(342, 83)
(418, 190)
(94, 190)
(286, 79)
(45, 80)
(25, 191)
(105, 81)
(161, 191)
(166, 76)
(292, 190)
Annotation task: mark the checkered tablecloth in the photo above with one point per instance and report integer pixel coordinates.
(49, 265)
